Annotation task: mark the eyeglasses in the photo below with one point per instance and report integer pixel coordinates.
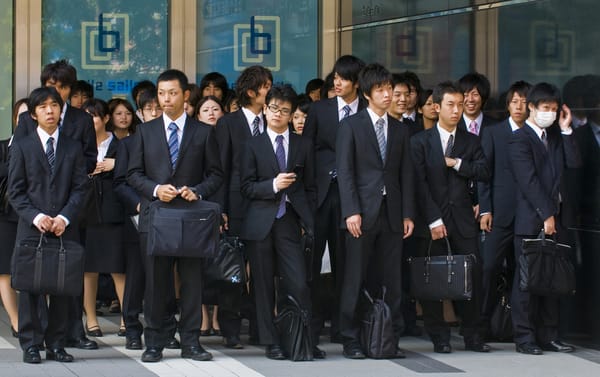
(276, 109)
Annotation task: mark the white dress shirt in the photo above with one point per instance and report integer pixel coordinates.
(341, 103)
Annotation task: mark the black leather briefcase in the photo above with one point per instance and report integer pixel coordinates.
(293, 326)
(377, 337)
(545, 268)
(44, 265)
(444, 277)
(184, 229)
(229, 265)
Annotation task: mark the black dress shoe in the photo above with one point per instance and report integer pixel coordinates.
(152, 355)
(32, 355)
(442, 348)
(529, 349)
(399, 354)
(82, 343)
(133, 343)
(196, 353)
(15, 333)
(173, 344)
(58, 354)
(319, 353)
(233, 343)
(477, 347)
(353, 351)
(273, 351)
(94, 331)
(557, 346)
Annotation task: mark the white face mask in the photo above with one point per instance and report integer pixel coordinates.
(544, 119)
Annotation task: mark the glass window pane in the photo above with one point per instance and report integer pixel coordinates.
(113, 44)
(282, 36)
(6, 62)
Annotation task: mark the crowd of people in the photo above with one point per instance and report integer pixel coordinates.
(371, 165)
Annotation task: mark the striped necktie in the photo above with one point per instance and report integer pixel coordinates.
(255, 129)
(381, 137)
(280, 154)
(346, 111)
(173, 144)
(50, 153)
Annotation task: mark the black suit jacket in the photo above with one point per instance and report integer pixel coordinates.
(587, 183)
(126, 194)
(362, 174)
(443, 192)
(33, 189)
(498, 196)
(538, 173)
(232, 132)
(258, 169)
(78, 125)
(322, 123)
(198, 164)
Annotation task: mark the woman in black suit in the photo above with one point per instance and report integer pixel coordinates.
(104, 221)
(8, 227)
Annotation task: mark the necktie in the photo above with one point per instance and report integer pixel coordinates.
(346, 111)
(473, 128)
(280, 154)
(380, 137)
(255, 129)
(173, 144)
(449, 146)
(544, 139)
(50, 153)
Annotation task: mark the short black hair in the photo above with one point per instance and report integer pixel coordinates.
(283, 93)
(413, 81)
(40, 95)
(252, 78)
(147, 96)
(446, 87)
(82, 86)
(422, 100)
(314, 84)
(60, 70)
(96, 107)
(478, 81)
(543, 93)
(217, 79)
(373, 75)
(174, 75)
(304, 103)
(520, 87)
(141, 87)
(348, 67)
(327, 85)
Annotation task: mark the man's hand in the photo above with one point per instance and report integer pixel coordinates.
(549, 226)
(409, 226)
(284, 180)
(450, 162)
(58, 226)
(564, 121)
(439, 232)
(188, 194)
(485, 222)
(45, 224)
(225, 221)
(353, 224)
(166, 193)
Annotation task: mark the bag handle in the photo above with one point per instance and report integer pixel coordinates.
(449, 249)
(542, 236)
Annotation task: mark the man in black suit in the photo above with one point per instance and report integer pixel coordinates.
(377, 200)
(277, 179)
(171, 157)
(538, 154)
(476, 90)
(79, 126)
(446, 159)
(497, 198)
(321, 127)
(233, 130)
(47, 186)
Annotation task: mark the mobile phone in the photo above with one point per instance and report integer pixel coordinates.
(298, 169)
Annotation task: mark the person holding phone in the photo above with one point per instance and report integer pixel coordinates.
(278, 180)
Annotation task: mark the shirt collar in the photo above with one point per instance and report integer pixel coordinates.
(250, 116)
(478, 120)
(272, 135)
(44, 136)
(513, 125)
(445, 134)
(180, 122)
(353, 105)
(412, 116)
(374, 117)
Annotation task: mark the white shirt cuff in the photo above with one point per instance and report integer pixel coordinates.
(38, 218)
(485, 213)
(275, 190)
(154, 195)
(458, 162)
(67, 222)
(567, 132)
(436, 223)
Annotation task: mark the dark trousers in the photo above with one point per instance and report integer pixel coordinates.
(327, 232)
(412, 247)
(373, 260)
(498, 247)
(469, 311)
(159, 294)
(41, 322)
(535, 318)
(133, 297)
(278, 254)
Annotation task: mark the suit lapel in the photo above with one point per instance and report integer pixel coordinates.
(370, 132)
(39, 154)
(60, 154)
(268, 148)
(292, 151)
(188, 134)
(390, 138)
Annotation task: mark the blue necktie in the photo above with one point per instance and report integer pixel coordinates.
(50, 153)
(255, 129)
(346, 111)
(380, 137)
(280, 154)
(173, 144)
